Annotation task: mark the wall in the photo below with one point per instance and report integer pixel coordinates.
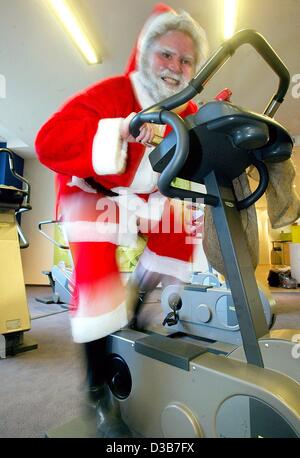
(263, 234)
(39, 255)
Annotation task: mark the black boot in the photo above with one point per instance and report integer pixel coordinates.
(108, 416)
(101, 403)
(94, 356)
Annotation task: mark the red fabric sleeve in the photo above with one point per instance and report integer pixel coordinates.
(64, 143)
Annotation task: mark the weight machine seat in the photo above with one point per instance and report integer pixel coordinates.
(11, 197)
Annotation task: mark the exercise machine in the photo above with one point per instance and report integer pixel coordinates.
(14, 313)
(60, 276)
(172, 384)
(181, 384)
(205, 308)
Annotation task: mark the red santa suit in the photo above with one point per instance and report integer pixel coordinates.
(83, 140)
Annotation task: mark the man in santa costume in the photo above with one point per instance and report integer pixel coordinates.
(108, 192)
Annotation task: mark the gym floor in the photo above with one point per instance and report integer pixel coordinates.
(43, 388)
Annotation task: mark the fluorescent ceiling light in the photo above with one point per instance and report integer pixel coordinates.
(71, 24)
(230, 7)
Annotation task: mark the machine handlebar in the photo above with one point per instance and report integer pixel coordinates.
(160, 114)
(210, 68)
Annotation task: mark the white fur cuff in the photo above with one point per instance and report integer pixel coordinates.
(166, 266)
(86, 329)
(109, 152)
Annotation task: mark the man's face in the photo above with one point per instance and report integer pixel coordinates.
(170, 65)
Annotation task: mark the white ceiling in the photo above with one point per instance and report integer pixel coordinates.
(41, 67)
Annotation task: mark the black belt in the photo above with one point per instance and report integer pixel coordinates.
(100, 188)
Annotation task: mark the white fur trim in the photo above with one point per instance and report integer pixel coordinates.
(86, 329)
(158, 25)
(85, 231)
(165, 265)
(109, 151)
(125, 233)
(81, 184)
(145, 178)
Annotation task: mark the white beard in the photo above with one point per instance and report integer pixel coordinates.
(155, 85)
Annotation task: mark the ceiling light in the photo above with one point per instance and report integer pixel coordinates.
(230, 8)
(74, 29)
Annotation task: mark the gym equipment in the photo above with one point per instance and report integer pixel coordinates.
(210, 388)
(171, 384)
(206, 311)
(60, 276)
(205, 279)
(14, 314)
(205, 308)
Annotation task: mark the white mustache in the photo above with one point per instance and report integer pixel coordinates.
(169, 74)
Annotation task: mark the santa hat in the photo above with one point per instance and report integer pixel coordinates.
(162, 20)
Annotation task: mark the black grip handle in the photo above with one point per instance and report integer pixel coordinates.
(215, 62)
(179, 157)
(152, 115)
(261, 188)
(269, 55)
(228, 48)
